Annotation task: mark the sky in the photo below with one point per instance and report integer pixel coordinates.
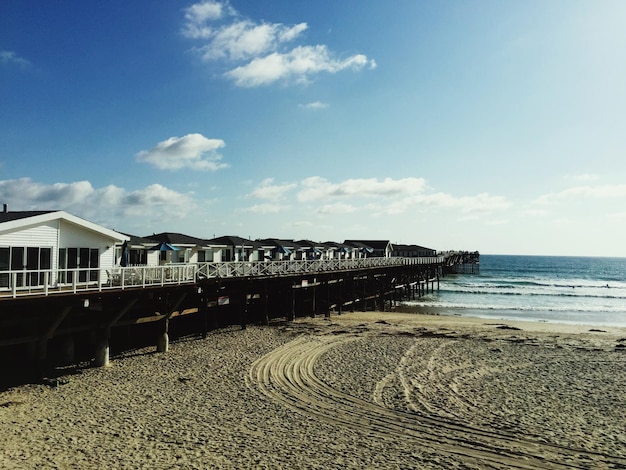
(497, 126)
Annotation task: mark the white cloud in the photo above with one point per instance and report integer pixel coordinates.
(480, 203)
(266, 208)
(316, 188)
(336, 208)
(384, 197)
(190, 151)
(536, 212)
(261, 47)
(243, 40)
(314, 105)
(297, 66)
(10, 57)
(204, 11)
(584, 178)
(197, 15)
(618, 216)
(268, 190)
(108, 205)
(606, 191)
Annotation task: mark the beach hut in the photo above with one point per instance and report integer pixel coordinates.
(235, 248)
(412, 251)
(371, 248)
(180, 248)
(54, 247)
(282, 249)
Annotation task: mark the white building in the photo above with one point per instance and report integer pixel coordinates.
(53, 248)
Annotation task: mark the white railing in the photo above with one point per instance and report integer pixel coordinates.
(45, 282)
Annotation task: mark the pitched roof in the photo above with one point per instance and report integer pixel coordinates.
(233, 240)
(139, 241)
(376, 244)
(278, 242)
(19, 219)
(177, 239)
(401, 247)
(16, 215)
(335, 245)
(307, 244)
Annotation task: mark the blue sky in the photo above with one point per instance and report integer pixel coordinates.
(496, 126)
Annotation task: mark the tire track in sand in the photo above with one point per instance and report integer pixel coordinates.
(286, 375)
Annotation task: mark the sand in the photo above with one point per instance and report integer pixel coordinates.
(361, 390)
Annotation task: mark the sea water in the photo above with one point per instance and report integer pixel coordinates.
(580, 290)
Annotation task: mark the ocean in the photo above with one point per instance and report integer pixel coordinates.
(579, 290)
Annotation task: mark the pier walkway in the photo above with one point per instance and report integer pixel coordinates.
(25, 283)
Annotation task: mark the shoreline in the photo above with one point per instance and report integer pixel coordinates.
(445, 391)
(513, 315)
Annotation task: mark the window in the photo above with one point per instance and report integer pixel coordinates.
(5, 263)
(94, 264)
(30, 264)
(205, 256)
(87, 260)
(62, 265)
(17, 263)
(137, 257)
(45, 263)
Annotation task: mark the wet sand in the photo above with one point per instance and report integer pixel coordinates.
(361, 390)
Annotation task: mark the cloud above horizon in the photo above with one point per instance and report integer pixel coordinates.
(391, 196)
(257, 53)
(10, 57)
(192, 151)
(106, 205)
(268, 190)
(314, 105)
(586, 192)
(316, 188)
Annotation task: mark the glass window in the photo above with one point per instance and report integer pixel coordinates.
(17, 263)
(5, 257)
(32, 265)
(62, 265)
(45, 263)
(94, 263)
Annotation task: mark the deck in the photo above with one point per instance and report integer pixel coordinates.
(24, 283)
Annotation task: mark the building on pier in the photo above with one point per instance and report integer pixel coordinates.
(72, 288)
(412, 251)
(39, 248)
(376, 248)
(45, 252)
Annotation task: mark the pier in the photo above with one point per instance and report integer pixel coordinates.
(86, 322)
(461, 262)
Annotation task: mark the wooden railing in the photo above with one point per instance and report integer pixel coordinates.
(46, 282)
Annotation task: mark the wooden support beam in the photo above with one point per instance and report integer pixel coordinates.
(292, 310)
(176, 305)
(265, 304)
(243, 306)
(313, 306)
(121, 313)
(43, 340)
(163, 342)
(57, 321)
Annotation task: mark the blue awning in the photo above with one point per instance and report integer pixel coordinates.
(164, 247)
(282, 249)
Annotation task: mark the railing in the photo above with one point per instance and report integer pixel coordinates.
(45, 282)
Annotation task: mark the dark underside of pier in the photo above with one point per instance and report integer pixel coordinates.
(39, 336)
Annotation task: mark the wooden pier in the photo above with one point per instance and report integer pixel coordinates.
(86, 324)
(461, 262)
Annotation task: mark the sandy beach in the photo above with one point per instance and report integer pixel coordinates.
(359, 390)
